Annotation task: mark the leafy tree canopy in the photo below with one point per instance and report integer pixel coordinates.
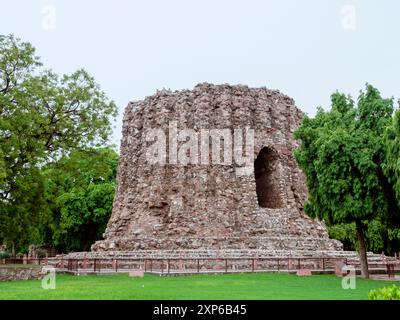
(42, 117)
(79, 191)
(342, 154)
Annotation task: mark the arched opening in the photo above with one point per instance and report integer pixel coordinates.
(267, 179)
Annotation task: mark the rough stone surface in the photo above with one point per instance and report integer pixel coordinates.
(304, 272)
(209, 259)
(10, 273)
(213, 254)
(211, 207)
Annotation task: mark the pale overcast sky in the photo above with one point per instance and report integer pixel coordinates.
(307, 49)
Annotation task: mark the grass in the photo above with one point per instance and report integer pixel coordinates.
(228, 286)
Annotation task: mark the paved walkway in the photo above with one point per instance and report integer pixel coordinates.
(384, 277)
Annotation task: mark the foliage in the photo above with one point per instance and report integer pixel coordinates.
(4, 255)
(342, 154)
(378, 236)
(41, 253)
(79, 190)
(389, 293)
(382, 234)
(42, 117)
(345, 233)
(392, 164)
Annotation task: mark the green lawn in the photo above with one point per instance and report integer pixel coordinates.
(229, 286)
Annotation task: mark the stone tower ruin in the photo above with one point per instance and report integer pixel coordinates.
(172, 205)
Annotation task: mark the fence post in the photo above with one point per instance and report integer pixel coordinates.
(168, 265)
(298, 263)
(323, 264)
(162, 266)
(253, 265)
(145, 265)
(226, 265)
(198, 266)
(278, 265)
(95, 265)
(151, 265)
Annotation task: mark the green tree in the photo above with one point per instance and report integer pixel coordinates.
(378, 236)
(392, 142)
(79, 191)
(342, 154)
(392, 166)
(42, 117)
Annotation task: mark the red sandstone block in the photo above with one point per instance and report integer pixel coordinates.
(303, 272)
(136, 273)
(339, 272)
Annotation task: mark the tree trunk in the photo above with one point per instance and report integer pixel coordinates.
(362, 249)
(13, 249)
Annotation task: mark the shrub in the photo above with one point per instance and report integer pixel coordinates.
(4, 255)
(389, 293)
(41, 253)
